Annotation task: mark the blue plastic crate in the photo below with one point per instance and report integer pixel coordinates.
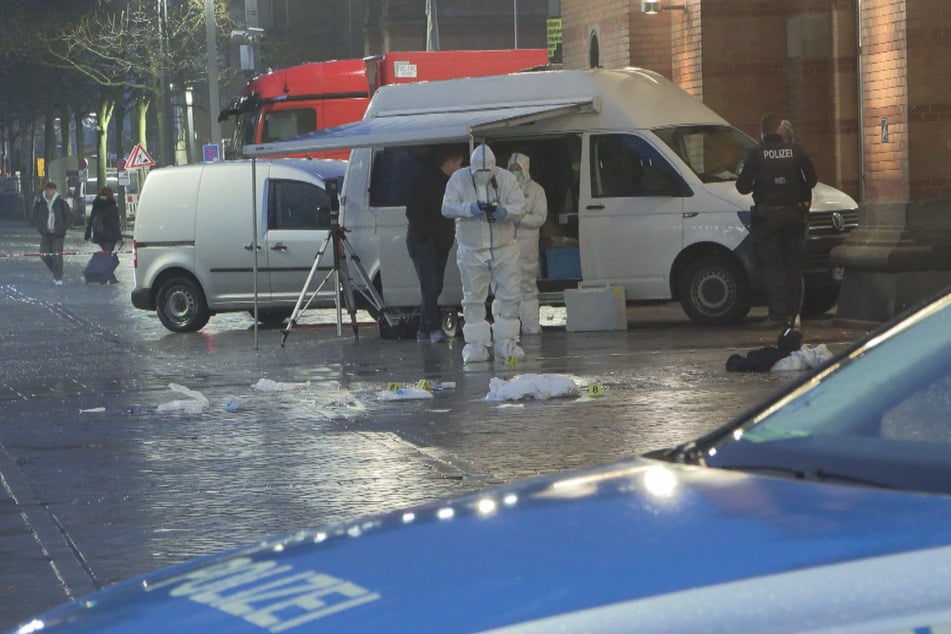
(561, 263)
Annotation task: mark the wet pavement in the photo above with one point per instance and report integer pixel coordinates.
(89, 498)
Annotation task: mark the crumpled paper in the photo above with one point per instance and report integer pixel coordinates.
(194, 404)
(534, 386)
(267, 385)
(806, 358)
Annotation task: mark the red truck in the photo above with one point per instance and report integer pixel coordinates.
(292, 101)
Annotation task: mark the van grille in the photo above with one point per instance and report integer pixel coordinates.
(820, 222)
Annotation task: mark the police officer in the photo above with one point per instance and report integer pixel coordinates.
(781, 178)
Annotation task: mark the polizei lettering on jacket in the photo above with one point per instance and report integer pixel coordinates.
(781, 153)
(271, 596)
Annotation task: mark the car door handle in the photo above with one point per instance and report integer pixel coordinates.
(280, 246)
(595, 207)
(250, 246)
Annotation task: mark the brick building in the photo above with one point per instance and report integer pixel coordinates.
(864, 82)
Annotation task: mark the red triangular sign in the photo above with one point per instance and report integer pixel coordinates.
(139, 158)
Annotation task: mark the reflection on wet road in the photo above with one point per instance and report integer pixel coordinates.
(129, 489)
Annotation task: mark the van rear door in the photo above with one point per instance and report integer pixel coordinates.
(631, 215)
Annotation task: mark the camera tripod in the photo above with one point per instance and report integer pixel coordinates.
(346, 263)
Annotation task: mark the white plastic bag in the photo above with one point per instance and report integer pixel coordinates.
(535, 386)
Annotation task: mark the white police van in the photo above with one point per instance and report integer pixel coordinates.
(639, 175)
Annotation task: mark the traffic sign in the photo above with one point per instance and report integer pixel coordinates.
(210, 153)
(139, 158)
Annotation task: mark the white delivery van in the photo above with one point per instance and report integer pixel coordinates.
(193, 239)
(639, 175)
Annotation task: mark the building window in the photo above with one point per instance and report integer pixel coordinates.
(594, 51)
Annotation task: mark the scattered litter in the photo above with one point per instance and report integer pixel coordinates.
(192, 394)
(92, 410)
(233, 404)
(194, 404)
(137, 411)
(806, 358)
(404, 394)
(267, 385)
(188, 406)
(536, 386)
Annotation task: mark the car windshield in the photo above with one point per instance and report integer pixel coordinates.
(880, 415)
(714, 152)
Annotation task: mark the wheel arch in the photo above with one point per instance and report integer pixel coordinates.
(699, 250)
(175, 271)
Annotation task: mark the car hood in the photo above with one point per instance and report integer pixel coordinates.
(634, 530)
(824, 197)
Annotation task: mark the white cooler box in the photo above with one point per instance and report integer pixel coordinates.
(595, 308)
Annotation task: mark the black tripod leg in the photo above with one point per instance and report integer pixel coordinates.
(343, 269)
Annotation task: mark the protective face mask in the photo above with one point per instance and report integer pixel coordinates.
(481, 178)
(519, 176)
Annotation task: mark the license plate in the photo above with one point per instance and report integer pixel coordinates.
(837, 273)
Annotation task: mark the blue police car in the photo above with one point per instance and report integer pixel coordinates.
(826, 509)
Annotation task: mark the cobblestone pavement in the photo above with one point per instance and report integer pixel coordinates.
(88, 498)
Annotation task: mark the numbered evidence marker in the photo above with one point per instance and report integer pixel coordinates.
(595, 389)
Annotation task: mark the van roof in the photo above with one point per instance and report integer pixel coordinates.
(452, 110)
(636, 97)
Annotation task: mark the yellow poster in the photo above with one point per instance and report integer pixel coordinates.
(41, 167)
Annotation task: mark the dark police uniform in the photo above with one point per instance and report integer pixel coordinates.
(781, 178)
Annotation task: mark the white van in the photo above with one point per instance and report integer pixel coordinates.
(639, 175)
(193, 242)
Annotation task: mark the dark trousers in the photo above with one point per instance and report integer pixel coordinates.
(430, 263)
(108, 245)
(51, 250)
(780, 236)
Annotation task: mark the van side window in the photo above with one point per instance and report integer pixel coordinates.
(395, 169)
(297, 205)
(624, 165)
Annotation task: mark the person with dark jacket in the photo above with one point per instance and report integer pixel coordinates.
(781, 177)
(103, 225)
(52, 217)
(429, 237)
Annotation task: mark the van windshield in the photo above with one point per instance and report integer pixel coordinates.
(714, 152)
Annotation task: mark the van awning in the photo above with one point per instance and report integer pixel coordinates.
(422, 128)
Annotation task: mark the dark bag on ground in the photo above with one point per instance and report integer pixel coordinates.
(101, 267)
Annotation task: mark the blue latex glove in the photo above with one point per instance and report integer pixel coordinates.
(501, 213)
(475, 210)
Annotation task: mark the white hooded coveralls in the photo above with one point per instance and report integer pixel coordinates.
(533, 217)
(487, 255)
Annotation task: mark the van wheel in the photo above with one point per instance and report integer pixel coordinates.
(181, 306)
(714, 291)
(271, 317)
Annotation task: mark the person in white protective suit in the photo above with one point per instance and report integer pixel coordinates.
(534, 214)
(485, 201)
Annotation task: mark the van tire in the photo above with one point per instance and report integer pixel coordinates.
(181, 306)
(714, 291)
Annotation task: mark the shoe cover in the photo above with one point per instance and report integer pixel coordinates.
(477, 333)
(474, 353)
(508, 348)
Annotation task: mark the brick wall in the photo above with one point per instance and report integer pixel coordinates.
(884, 73)
(928, 33)
(609, 19)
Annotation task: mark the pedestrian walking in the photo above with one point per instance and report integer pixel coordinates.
(429, 237)
(484, 201)
(780, 176)
(103, 226)
(52, 217)
(534, 214)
